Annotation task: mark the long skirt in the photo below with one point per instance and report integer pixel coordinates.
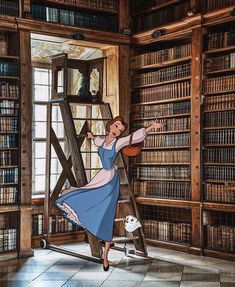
(93, 208)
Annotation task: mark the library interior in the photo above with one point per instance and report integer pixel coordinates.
(117, 143)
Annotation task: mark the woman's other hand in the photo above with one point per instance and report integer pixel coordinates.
(155, 125)
(90, 135)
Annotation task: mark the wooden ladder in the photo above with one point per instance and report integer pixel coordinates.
(74, 169)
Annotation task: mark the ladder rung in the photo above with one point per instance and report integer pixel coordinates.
(119, 219)
(124, 239)
(124, 200)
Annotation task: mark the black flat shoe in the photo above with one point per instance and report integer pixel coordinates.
(106, 268)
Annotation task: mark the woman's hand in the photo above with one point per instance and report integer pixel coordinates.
(90, 135)
(155, 125)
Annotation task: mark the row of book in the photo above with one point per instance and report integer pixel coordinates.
(58, 224)
(173, 124)
(8, 90)
(171, 156)
(8, 195)
(7, 158)
(8, 7)
(220, 40)
(3, 45)
(140, 5)
(70, 17)
(219, 192)
(8, 141)
(220, 237)
(220, 84)
(8, 107)
(209, 5)
(168, 140)
(220, 173)
(219, 119)
(164, 92)
(160, 56)
(221, 102)
(168, 231)
(9, 69)
(160, 173)
(162, 75)
(8, 239)
(9, 124)
(9, 175)
(110, 5)
(169, 14)
(162, 189)
(175, 108)
(219, 155)
(221, 62)
(219, 137)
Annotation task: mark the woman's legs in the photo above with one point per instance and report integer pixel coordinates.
(106, 251)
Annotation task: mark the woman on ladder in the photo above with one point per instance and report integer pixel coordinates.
(94, 205)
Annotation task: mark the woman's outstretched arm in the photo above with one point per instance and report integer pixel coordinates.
(138, 136)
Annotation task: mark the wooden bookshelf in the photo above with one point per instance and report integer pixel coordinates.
(218, 207)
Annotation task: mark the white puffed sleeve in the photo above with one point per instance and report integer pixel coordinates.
(138, 136)
(98, 141)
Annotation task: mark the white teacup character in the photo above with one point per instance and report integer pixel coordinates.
(131, 223)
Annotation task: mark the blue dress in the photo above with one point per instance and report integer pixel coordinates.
(94, 208)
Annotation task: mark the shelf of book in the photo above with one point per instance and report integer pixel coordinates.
(8, 232)
(167, 223)
(151, 200)
(219, 230)
(101, 6)
(179, 99)
(96, 19)
(220, 50)
(162, 83)
(157, 15)
(10, 7)
(220, 206)
(146, 9)
(211, 5)
(9, 143)
(161, 64)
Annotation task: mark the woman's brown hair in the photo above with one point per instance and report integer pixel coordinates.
(120, 119)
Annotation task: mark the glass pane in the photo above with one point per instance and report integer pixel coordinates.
(94, 81)
(41, 93)
(54, 179)
(58, 129)
(78, 112)
(40, 130)
(96, 112)
(40, 166)
(40, 112)
(53, 154)
(93, 173)
(98, 127)
(78, 125)
(60, 88)
(41, 76)
(55, 166)
(40, 183)
(40, 149)
(95, 161)
(56, 114)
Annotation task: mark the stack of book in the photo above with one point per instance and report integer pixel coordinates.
(8, 195)
(220, 40)
(8, 239)
(210, 5)
(9, 7)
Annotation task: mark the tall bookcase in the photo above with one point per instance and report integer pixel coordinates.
(219, 138)
(184, 73)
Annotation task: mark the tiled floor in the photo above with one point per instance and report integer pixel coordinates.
(162, 268)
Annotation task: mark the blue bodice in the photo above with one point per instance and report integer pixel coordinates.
(107, 156)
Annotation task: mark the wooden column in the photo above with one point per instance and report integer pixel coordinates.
(124, 82)
(25, 145)
(196, 81)
(124, 15)
(111, 76)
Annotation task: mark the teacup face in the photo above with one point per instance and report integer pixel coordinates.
(131, 223)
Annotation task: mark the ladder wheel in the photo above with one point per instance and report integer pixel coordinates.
(43, 244)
